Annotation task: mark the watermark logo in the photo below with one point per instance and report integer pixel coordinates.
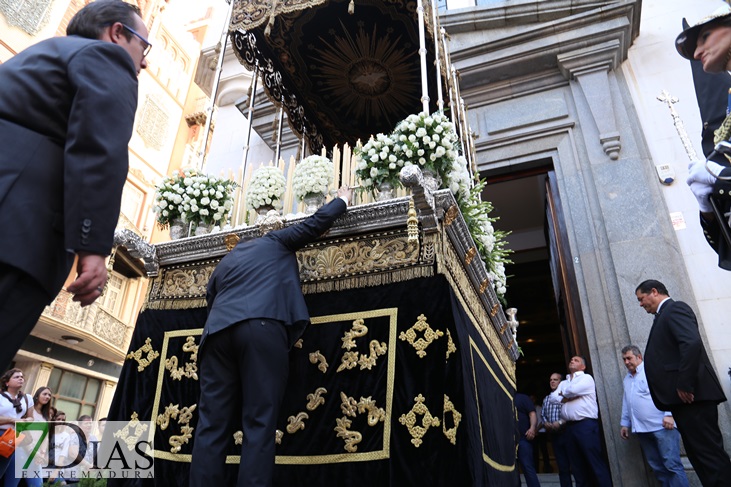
(84, 449)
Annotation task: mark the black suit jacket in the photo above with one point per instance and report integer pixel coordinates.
(259, 278)
(67, 108)
(675, 358)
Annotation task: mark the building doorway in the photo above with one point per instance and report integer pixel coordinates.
(540, 284)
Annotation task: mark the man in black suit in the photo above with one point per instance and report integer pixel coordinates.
(256, 311)
(682, 380)
(67, 107)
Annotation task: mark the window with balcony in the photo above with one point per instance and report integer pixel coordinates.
(75, 394)
(111, 300)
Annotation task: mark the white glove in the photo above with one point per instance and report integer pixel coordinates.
(701, 183)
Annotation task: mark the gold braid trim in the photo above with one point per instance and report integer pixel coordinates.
(175, 304)
(450, 265)
(723, 132)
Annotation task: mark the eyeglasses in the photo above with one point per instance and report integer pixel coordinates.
(145, 43)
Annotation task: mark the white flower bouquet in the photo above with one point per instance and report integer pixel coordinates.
(313, 175)
(193, 197)
(377, 163)
(267, 187)
(429, 141)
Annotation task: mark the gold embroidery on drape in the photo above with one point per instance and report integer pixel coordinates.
(352, 438)
(184, 417)
(239, 438)
(317, 358)
(409, 420)
(451, 347)
(130, 438)
(450, 433)
(137, 355)
(191, 368)
(350, 407)
(352, 358)
(278, 435)
(297, 422)
(298, 343)
(316, 399)
(421, 343)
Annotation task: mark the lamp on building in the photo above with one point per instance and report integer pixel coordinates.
(72, 340)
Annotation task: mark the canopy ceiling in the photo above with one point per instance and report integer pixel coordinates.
(340, 76)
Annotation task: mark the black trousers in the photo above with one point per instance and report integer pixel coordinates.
(243, 374)
(698, 426)
(22, 300)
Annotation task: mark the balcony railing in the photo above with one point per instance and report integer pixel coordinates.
(91, 319)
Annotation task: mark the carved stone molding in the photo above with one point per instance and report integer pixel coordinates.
(590, 67)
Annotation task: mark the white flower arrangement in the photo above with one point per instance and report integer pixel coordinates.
(490, 242)
(313, 175)
(193, 197)
(458, 179)
(267, 187)
(377, 163)
(429, 141)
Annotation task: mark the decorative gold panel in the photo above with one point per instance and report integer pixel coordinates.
(421, 343)
(137, 355)
(427, 421)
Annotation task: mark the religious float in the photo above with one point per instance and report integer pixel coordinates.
(406, 375)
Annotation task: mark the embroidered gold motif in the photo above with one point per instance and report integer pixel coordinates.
(298, 343)
(471, 253)
(315, 399)
(231, 240)
(239, 438)
(450, 433)
(421, 343)
(137, 355)
(317, 357)
(130, 438)
(352, 438)
(177, 441)
(349, 361)
(297, 423)
(376, 350)
(183, 417)
(163, 420)
(349, 405)
(451, 347)
(278, 435)
(356, 331)
(191, 368)
(409, 420)
(375, 414)
(483, 286)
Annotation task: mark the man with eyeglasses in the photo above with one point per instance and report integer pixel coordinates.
(67, 107)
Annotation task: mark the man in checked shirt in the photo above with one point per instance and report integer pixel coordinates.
(551, 419)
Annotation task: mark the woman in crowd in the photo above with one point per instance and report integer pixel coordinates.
(15, 406)
(42, 404)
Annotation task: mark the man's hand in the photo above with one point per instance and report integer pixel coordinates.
(531, 433)
(686, 397)
(624, 432)
(668, 422)
(346, 192)
(91, 276)
(701, 182)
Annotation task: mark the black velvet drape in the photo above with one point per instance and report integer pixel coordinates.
(467, 384)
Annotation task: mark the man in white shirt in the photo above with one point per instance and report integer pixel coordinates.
(659, 439)
(580, 413)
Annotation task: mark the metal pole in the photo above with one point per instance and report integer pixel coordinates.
(279, 133)
(422, 54)
(245, 159)
(214, 90)
(437, 32)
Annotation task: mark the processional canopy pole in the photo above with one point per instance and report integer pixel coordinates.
(203, 151)
(422, 55)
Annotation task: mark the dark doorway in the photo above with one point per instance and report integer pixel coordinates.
(538, 284)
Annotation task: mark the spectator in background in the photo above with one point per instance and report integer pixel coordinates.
(527, 429)
(659, 439)
(42, 404)
(555, 427)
